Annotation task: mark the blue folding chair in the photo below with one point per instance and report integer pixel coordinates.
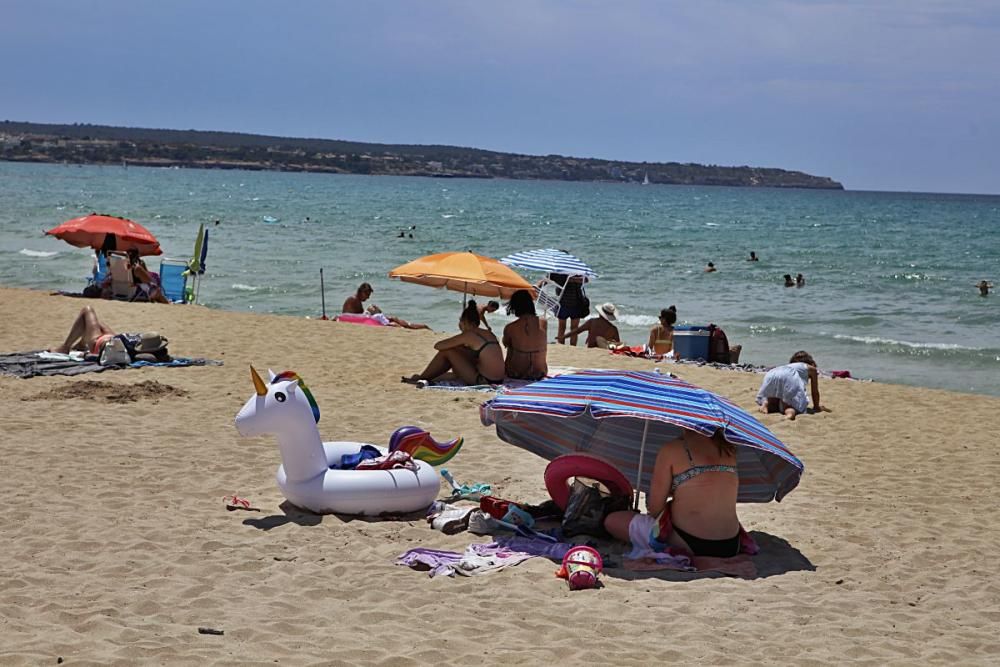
(173, 279)
(102, 271)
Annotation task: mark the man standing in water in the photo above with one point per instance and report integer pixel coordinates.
(984, 287)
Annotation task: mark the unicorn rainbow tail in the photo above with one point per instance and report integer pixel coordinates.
(419, 444)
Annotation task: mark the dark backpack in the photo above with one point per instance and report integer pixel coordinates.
(718, 345)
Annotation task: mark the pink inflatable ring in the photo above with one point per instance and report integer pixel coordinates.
(565, 467)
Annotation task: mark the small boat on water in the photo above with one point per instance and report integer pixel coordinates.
(645, 178)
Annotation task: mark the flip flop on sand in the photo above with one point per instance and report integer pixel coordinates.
(234, 502)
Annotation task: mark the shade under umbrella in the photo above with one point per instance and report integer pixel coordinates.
(625, 417)
(464, 272)
(549, 260)
(92, 231)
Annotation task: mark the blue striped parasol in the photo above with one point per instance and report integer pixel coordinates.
(549, 260)
(619, 415)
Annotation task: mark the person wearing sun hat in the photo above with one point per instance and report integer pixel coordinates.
(600, 330)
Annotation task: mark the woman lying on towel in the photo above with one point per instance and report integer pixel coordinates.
(700, 474)
(87, 333)
(472, 356)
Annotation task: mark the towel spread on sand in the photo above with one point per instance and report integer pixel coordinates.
(482, 558)
(29, 364)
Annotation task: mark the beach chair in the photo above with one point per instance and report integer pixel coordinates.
(97, 279)
(173, 279)
(122, 283)
(547, 298)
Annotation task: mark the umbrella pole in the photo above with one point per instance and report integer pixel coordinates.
(322, 294)
(642, 452)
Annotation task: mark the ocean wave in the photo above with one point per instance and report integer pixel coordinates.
(711, 224)
(240, 287)
(38, 253)
(638, 320)
(447, 215)
(878, 340)
(763, 329)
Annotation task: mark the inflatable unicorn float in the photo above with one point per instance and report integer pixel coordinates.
(310, 475)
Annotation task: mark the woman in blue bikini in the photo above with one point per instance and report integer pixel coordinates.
(473, 356)
(699, 475)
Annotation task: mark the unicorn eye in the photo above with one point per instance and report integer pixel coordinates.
(280, 396)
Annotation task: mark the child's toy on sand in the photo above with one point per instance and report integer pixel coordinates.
(580, 567)
(311, 475)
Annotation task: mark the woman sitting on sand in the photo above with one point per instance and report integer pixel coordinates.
(525, 339)
(784, 387)
(147, 286)
(87, 333)
(699, 473)
(661, 337)
(473, 356)
(600, 330)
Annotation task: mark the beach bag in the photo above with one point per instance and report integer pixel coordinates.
(586, 508)
(115, 353)
(718, 345)
(149, 343)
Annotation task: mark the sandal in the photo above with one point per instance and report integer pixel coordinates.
(234, 502)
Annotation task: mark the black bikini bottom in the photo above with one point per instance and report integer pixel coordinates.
(718, 548)
(482, 379)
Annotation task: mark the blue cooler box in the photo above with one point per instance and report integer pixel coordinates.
(691, 342)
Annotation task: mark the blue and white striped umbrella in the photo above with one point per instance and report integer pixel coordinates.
(549, 260)
(625, 417)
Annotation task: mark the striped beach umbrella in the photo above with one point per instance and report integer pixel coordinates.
(625, 417)
(549, 260)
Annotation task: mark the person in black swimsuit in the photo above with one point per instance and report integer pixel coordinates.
(473, 356)
(573, 303)
(525, 339)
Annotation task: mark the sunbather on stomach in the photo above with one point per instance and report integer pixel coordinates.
(525, 339)
(472, 356)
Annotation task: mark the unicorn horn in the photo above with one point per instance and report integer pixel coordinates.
(257, 382)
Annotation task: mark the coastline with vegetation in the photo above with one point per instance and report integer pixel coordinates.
(101, 144)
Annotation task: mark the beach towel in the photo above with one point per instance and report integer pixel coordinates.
(477, 559)
(30, 364)
(639, 351)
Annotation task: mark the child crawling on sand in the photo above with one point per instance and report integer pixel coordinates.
(784, 387)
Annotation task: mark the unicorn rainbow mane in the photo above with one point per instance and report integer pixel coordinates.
(293, 376)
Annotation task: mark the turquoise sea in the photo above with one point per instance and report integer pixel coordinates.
(890, 277)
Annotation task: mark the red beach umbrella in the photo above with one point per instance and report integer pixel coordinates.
(91, 231)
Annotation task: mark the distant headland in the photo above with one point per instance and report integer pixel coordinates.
(102, 144)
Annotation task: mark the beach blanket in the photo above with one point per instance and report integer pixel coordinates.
(510, 383)
(30, 364)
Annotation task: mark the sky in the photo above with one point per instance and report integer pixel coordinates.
(877, 94)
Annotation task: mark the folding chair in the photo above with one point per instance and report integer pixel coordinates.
(102, 271)
(122, 283)
(547, 298)
(173, 279)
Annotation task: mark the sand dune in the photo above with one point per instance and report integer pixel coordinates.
(117, 546)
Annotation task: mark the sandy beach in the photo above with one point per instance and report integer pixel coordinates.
(117, 546)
